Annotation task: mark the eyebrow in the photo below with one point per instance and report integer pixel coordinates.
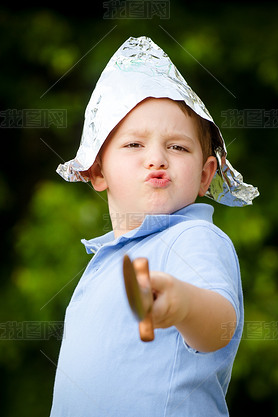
(145, 133)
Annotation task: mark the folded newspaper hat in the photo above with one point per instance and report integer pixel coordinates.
(141, 69)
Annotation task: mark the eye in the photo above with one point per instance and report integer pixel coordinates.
(133, 145)
(178, 148)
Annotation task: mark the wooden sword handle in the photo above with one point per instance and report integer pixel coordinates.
(146, 329)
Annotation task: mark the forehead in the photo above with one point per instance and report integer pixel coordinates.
(161, 115)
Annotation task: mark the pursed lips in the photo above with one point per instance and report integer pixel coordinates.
(158, 179)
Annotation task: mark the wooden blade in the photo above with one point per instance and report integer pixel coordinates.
(140, 297)
(132, 289)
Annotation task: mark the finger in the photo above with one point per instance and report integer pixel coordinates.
(159, 281)
(161, 310)
(142, 272)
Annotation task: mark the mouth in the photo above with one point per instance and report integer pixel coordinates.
(158, 179)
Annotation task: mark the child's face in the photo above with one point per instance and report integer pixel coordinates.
(152, 163)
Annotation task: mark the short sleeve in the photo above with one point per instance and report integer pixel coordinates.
(204, 256)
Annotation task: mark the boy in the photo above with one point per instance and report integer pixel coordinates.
(149, 141)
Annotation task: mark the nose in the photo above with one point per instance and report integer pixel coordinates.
(156, 159)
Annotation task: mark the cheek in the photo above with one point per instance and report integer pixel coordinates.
(190, 173)
(119, 177)
(189, 166)
(109, 166)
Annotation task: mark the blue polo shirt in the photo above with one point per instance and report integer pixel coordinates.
(104, 369)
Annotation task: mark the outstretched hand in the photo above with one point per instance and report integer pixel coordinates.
(170, 306)
(200, 315)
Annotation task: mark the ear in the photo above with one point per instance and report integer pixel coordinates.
(96, 176)
(208, 172)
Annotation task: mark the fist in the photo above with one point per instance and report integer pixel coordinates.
(170, 304)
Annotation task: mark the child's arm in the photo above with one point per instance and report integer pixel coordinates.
(202, 316)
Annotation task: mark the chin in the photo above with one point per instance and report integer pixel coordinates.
(166, 206)
(161, 210)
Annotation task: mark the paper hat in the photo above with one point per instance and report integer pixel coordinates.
(141, 69)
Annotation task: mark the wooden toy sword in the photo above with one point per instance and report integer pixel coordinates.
(139, 296)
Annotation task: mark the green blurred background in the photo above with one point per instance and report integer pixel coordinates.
(51, 58)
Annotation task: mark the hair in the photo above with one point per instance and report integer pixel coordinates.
(205, 130)
(207, 133)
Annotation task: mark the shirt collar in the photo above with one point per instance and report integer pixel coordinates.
(153, 224)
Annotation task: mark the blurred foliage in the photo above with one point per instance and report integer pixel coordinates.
(51, 58)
